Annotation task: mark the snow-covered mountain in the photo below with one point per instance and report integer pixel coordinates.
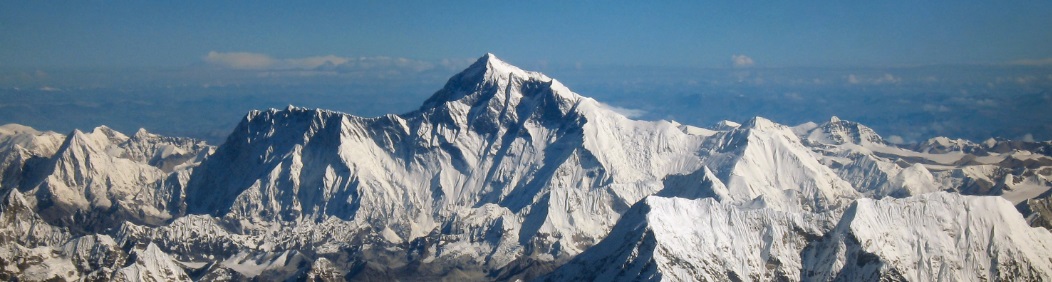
(100, 178)
(701, 240)
(507, 164)
(935, 236)
(507, 174)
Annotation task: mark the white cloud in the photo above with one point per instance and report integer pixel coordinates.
(935, 108)
(629, 113)
(886, 78)
(741, 61)
(895, 139)
(239, 60)
(327, 63)
(1027, 138)
(388, 63)
(1032, 62)
(49, 88)
(851, 78)
(314, 62)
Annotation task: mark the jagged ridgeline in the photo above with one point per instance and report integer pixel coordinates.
(506, 174)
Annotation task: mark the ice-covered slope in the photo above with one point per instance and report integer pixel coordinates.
(861, 157)
(151, 264)
(22, 146)
(19, 223)
(32, 140)
(838, 131)
(33, 250)
(96, 257)
(1018, 171)
(496, 142)
(117, 177)
(764, 164)
(678, 239)
(932, 237)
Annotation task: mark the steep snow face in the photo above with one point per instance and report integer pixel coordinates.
(151, 264)
(163, 152)
(85, 176)
(838, 131)
(700, 184)
(932, 237)
(95, 256)
(764, 164)
(19, 223)
(22, 148)
(36, 142)
(1016, 170)
(698, 240)
(33, 250)
(495, 140)
(859, 156)
(104, 172)
(942, 145)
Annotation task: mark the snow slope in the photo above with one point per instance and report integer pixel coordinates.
(556, 169)
(120, 177)
(764, 164)
(930, 237)
(698, 240)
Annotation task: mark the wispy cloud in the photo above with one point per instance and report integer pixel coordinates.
(886, 78)
(1029, 137)
(853, 79)
(239, 60)
(741, 61)
(1032, 62)
(314, 62)
(629, 113)
(895, 139)
(327, 63)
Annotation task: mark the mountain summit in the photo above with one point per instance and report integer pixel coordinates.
(545, 170)
(488, 75)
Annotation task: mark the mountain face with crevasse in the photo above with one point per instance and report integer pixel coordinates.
(506, 174)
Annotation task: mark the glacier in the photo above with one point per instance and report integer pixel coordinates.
(507, 174)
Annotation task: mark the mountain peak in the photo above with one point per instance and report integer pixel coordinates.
(838, 131)
(490, 79)
(490, 66)
(761, 123)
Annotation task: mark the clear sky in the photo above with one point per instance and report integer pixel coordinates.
(913, 69)
(49, 34)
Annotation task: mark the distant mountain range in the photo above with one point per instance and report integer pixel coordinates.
(506, 174)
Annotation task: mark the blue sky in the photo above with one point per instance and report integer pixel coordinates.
(914, 69)
(56, 34)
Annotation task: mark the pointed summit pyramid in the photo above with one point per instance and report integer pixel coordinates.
(491, 82)
(485, 75)
(491, 96)
(765, 164)
(838, 131)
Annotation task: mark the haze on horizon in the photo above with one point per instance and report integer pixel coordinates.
(914, 70)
